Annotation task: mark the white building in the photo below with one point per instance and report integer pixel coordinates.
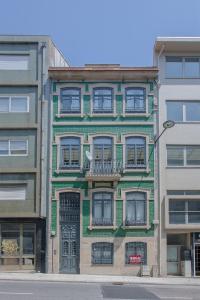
(178, 59)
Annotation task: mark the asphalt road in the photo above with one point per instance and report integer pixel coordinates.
(26, 290)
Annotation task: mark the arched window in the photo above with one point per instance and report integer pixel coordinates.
(135, 100)
(136, 207)
(135, 152)
(103, 148)
(70, 153)
(70, 100)
(102, 253)
(136, 251)
(102, 209)
(103, 100)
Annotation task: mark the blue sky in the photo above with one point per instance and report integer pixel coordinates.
(102, 31)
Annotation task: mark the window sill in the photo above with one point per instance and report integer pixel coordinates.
(60, 171)
(103, 114)
(125, 227)
(93, 227)
(187, 122)
(136, 170)
(69, 115)
(183, 167)
(183, 226)
(146, 115)
(101, 265)
(183, 78)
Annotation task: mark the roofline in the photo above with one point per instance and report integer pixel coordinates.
(178, 39)
(82, 69)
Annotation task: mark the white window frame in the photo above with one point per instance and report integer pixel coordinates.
(147, 142)
(114, 197)
(195, 226)
(183, 67)
(58, 94)
(132, 190)
(10, 99)
(185, 165)
(58, 144)
(147, 92)
(9, 148)
(183, 103)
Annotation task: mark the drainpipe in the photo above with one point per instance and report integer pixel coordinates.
(43, 156)
(159, 211)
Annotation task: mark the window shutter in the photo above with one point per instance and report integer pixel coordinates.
(13, 192)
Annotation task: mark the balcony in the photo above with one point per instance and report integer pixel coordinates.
(103, 170)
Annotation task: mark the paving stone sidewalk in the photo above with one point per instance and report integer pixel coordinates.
(99, 278)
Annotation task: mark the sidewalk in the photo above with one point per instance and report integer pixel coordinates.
(98, 279)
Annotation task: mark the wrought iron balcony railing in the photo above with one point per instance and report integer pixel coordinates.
(104, 167)
(102, 221)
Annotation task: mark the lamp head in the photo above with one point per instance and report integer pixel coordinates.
(168, 124)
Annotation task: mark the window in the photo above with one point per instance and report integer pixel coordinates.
(102, 253)
(183, 155)
(182, 67)
(135, 100)
(18, 245)
(174, 67)
(183, 111)
(183, 192)
(136, 207)
(184, 211)
(70, 100)
(12, 192)
(14, 62)
(135, 152)
(70, 153)
(103, 149)
(103, 100)
(136, 249)
(102, 209)
(14, 104)
(13, 147)
(102, 154)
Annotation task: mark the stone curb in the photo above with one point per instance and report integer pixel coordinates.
(98, 279)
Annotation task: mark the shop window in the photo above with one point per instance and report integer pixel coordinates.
(17, 246)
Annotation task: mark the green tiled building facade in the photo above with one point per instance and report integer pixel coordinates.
(102, 202)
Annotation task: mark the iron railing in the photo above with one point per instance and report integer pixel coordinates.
(102, 221)
(104, 167)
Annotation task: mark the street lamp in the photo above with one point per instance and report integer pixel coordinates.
(166, 125)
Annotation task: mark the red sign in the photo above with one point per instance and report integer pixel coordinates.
(135, 259)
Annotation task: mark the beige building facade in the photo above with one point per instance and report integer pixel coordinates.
(178, 154)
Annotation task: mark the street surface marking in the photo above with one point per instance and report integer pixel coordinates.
(174, 297)
(13, 293)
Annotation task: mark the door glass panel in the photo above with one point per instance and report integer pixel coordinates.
(172, 253)
(28, 243)
(172, 268)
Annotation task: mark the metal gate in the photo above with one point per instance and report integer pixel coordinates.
(69, 232)
(196, 259)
